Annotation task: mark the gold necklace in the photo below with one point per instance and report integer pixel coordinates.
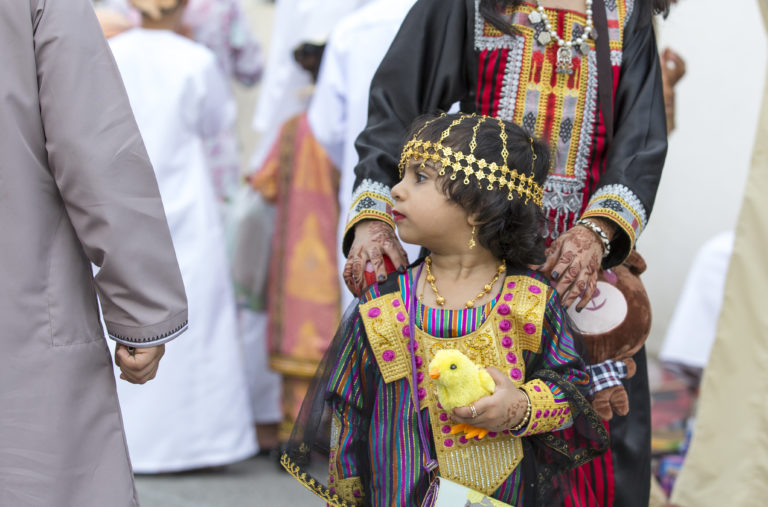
(440, 300)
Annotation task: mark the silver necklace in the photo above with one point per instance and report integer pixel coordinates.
(564, 50)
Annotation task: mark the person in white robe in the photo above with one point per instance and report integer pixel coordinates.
(691, 331)
(285, 87)
(199, 401)
(222, 27)
(339, 108)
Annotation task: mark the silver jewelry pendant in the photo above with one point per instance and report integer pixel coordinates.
(593, 33)
(534, 17)
(564, 60)
(584, 47)
(545, 38)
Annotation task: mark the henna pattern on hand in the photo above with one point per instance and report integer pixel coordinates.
(372, 240)
(579, 253)
(516, 411)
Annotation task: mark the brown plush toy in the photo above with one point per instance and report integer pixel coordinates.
(615, 325)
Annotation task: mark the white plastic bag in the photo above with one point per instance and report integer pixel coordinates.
(250, 225)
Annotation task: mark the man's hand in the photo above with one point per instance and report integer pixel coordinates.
(373, 240)
(138, 365)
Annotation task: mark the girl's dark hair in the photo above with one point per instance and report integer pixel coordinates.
(492, 10)
(511, 229)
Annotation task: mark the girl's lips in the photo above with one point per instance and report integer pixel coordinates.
(396, 215)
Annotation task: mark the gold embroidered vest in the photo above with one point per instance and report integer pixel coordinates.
(513, 326)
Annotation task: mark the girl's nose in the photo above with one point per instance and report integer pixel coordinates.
(397, 192)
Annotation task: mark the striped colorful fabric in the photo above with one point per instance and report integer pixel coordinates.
(375, 425)
(445, 323)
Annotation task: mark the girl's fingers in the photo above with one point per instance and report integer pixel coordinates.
(489, 409)
(500, 378)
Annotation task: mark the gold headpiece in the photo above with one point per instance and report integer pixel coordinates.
(460, 162)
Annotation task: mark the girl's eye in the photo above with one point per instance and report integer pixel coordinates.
(421, 176)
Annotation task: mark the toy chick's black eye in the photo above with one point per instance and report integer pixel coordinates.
(453, 366)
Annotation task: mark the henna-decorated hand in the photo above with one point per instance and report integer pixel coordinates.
(573, 262)
(373, 240)
(502, 410)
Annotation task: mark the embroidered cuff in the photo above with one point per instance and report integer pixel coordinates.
(148, 336)
(547, 414)
(607, 374)
(349, 490)
(327, 494)
(371, 201)
(620, 205)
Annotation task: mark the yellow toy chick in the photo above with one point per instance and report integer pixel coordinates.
(459, 383)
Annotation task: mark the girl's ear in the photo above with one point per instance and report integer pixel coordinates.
(474, 220)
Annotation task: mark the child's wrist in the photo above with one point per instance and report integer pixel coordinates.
(526, 417)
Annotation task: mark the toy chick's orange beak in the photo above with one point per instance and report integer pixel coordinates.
(434, 373)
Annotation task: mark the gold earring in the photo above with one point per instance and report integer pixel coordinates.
(472, 239)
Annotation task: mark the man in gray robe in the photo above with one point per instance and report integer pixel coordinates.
(76, 187)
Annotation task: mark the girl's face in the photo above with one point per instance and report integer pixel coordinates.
(423, 213)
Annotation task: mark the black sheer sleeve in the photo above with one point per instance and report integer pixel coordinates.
(635, 159)
(429, 67)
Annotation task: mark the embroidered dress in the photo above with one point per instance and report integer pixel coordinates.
(363, 387)
(465, 59)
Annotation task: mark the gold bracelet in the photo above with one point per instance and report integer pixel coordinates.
(527, 416)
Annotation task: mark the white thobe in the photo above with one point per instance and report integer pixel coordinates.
(691, 331)
(285, 87)
(199, 400)
(339, 108)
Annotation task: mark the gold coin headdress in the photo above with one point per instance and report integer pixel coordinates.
(457, 162)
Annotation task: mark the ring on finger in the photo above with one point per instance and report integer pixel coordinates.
(473, 410)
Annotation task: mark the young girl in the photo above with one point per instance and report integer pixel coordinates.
(585, 76)
(470, 193)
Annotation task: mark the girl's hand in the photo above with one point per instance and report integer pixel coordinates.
(373, 240)
(502, 410)
(573, 262)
